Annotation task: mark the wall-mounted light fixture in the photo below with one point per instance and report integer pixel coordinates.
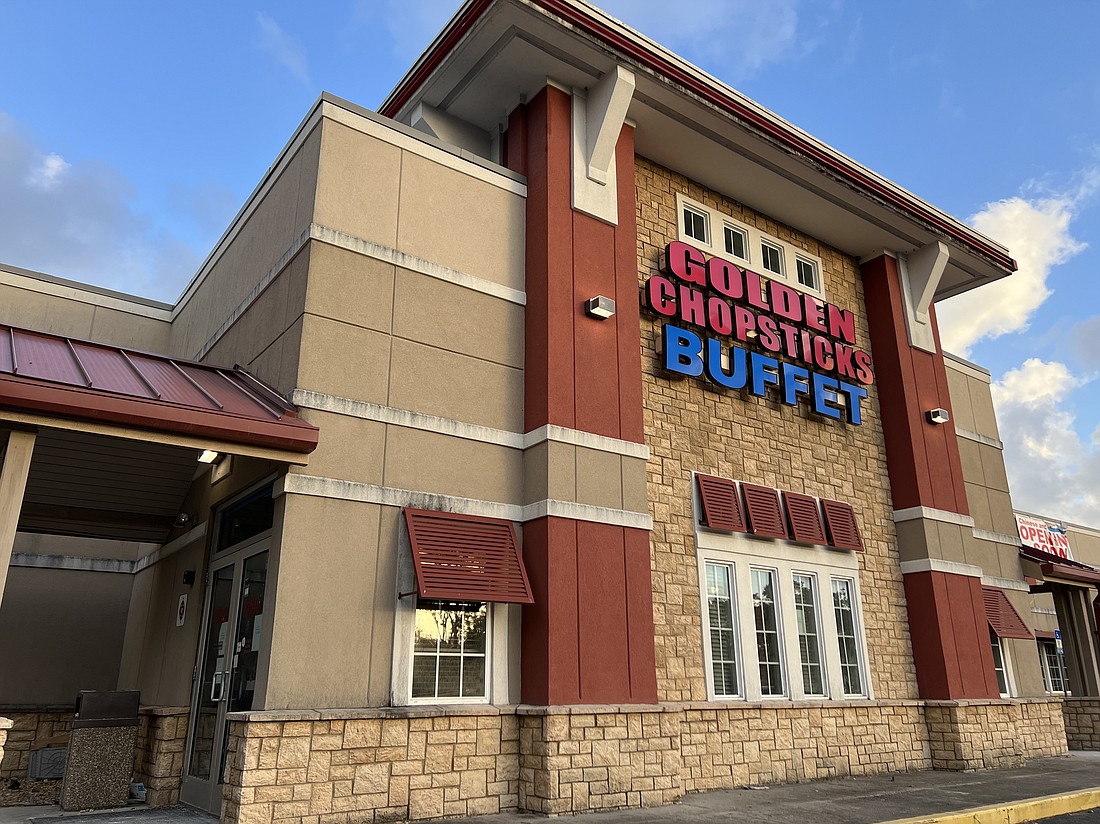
(208, 456)
(182, 520)
(938, 416)
(599, 307)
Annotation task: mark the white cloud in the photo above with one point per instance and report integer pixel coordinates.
(75, 220)
(48, 173)
(284, 48)
(1051, 470)
(1037, 234)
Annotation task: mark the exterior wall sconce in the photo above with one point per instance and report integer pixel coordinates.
(599, 307)
(208, 456)
(938, 416)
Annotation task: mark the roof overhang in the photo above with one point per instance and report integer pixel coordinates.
(1056, 569)
(495, 54)
(57, 382)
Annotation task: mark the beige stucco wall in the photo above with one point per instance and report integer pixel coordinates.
(691, 428)
(60, 632)
(410, 331)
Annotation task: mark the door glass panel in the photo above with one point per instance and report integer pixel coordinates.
(212, 674)
(246, 518)
(250, 621)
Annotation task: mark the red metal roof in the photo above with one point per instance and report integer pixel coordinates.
(1003, 618)
(466, 558)
(1056, 566)
(69, 378)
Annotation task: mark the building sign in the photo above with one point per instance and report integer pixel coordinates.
(1043, 535)
(729, 326)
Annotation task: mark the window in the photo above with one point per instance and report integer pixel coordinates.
(807, 272)
(1054, 668)
(771, 257)
(723, 641)
(809, 637)
(768, 632)
(999, 664)
(737, 242)
(846, 636)
(766, 612)
(459, 578)
(695, 225)
(724, 235)
(450, 640)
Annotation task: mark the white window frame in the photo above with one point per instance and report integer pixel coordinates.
(861, 639)
(715, 245)
(777, 247)
(708, 654)
(815, 588)
(502, 629)
(780, 604)
(486, 676)
(1048, 681)
(996, 642)
(800, 258)
(698, 211)
(741, 553)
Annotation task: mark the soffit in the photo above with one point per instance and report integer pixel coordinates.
(496, 54)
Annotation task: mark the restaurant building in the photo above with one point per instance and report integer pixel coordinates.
(572, 433)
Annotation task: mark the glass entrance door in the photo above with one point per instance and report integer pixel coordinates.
(227, 666)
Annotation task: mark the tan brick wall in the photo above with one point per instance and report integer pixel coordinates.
(1082, 717)
(974, 735)
(591, 758)
(332, 767)
(689, 427)
(739, 744)
(27, 728)
(5, 725)
(158, 757)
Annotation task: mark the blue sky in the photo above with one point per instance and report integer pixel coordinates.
(131, 132)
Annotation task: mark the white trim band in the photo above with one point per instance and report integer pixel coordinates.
(387, 254)
(391, 496)
(460, 429)
(1044, 611)
(26, 559)
(938, 565)
(914, 513)
(997, 537)
(1005, 583)
(979, 438)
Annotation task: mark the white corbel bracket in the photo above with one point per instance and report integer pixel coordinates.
(920, 276)
(598, 118)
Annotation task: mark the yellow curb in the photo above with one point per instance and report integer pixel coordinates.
(1015, 812)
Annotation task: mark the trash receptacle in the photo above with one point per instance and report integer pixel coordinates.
(100, 762)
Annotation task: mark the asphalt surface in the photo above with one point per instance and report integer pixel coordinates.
(863, 800)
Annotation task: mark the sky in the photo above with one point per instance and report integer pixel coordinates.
(131, 133)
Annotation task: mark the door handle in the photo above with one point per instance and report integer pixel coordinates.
(217, 686)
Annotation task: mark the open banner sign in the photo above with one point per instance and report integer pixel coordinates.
(1040, 534)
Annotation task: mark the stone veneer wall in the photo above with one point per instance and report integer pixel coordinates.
(975, 735)
(1082, 717)
(343, 766)
(158, 758)
(5, 725)
(690, 427)
(30, 726)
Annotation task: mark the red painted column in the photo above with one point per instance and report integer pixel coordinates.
(947, 619)
(589, 636)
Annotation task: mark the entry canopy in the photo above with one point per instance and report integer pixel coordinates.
(47, 378)
(1063, 569)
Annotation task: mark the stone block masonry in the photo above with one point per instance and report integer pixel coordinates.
(29, 726)
(1082, 719)
(158, 759)
(344, 766)
(5, 725)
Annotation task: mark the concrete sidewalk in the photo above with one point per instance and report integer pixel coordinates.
(1044, 787)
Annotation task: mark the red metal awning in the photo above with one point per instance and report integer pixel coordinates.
(1055, 566)
(720, 503)
(1003, 618)
(68, 378)
(840, 520)
(466, 558)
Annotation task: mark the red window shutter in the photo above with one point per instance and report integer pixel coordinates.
(1003, 618)
(721, 503)
(840, 521)
(804, 518)
(466, 558)
(765, 513)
